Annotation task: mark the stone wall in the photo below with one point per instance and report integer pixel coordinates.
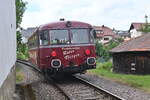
(8, 87)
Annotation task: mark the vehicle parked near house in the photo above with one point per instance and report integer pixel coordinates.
(64, 46)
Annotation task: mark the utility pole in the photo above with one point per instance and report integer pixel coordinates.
(146, 19)
(146, 27)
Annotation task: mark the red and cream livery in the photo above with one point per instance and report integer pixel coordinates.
(64, 46)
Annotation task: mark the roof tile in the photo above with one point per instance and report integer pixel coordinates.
(141, 43)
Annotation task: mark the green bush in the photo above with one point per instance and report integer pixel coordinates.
(103, 50)
(22, 52)
(20, 55)
(106, 66)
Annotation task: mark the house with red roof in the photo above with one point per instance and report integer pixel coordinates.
(104, 34)
(135, 29)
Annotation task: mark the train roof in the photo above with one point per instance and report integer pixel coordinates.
(62, 24)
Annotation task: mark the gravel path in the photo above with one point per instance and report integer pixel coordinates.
(42, 89)
(126, 92)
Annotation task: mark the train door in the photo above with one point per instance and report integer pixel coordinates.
(43, 52)
(38, 48)
(35, 51)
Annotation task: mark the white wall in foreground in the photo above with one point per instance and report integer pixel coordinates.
(7, 37)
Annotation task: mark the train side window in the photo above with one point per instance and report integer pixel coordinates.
(44, 38)
(31, 42)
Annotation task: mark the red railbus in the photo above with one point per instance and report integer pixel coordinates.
(64, 46)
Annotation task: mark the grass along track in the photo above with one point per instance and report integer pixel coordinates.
(137, 81)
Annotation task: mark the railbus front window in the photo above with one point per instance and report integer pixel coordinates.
(59, 36)
(79, 35)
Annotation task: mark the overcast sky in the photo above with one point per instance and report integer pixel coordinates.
(116, 14)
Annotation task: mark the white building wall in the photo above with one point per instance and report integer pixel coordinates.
(134, 33)
(7, 37)
(103, 41)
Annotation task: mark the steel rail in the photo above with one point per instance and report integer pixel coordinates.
(104, 91)
(61, 90)
(25, 62)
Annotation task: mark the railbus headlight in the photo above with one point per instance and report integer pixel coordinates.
(56, 63)
(91, 61)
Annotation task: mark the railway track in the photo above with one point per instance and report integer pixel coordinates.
(76, 88)
(106, 94)
(27, 63)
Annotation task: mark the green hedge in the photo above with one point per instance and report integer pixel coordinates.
(106, 66)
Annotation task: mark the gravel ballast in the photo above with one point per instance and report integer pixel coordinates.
(77, 90)
(42, 89)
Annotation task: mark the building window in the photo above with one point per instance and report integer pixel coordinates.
(106, 39)
(99, 31)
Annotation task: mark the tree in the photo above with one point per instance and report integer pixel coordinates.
(103, 50)
(20, 9)
(146, 26)
(113, 43)
(99, 49)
